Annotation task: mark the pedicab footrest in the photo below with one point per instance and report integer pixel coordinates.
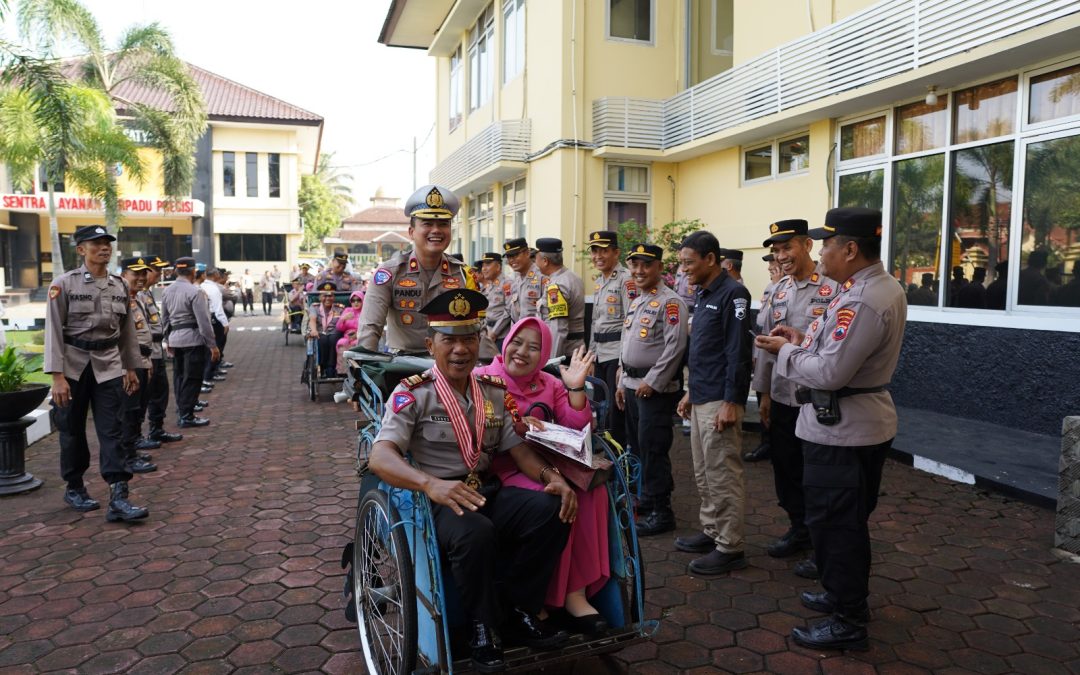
(578, 647)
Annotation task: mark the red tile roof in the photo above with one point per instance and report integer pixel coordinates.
(378, 215)
(366, 236)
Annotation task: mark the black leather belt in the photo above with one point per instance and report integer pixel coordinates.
(635, 372)
(146, 350)
(178, 326)
(92, 345)
(607, 337)
(576, 336)
(802, 394)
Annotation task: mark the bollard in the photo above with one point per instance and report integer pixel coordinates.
(1067, 526)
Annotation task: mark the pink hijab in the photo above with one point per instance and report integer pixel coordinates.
(519, 386)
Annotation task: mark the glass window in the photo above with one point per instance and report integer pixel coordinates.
(627, 194)
(1055, 95)
(273, 161)
(865, 189)
(513, 209)
(456, 75)
(622, 212)
(481, 210)
(228, 173)
(758, 163)
(251, 247)
(916, 226)
(794, 154)
(984, 111)
(480, 63)
(514, 38)
(1050, 243)
(862, 139)
(630, 19)
(920, 126)
(979, 215)
(252, 161)
(621, 178)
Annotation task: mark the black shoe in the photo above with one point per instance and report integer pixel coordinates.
(147, 444)
(591, 625)
(487, 653)
(717, 562)
(205, 389)
(207, 384)
(698, 543)
(831, 633)
(78, 499)
(140, 465)
(205, 404)
(825, 603)
(655, 523)
(226, 364)
(807, 569)
(525, 629)
(193, 422)
(792, 541)
(145, 456)
(162, 436)
(758, 454)
(217, 377)
(198, 408)
(119, 506)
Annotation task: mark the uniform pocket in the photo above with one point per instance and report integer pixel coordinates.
(439, 433)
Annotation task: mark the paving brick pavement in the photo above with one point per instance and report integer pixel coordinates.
(236, 570)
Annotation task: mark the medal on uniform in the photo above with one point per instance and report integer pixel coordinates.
(468, 443)
(472, 480)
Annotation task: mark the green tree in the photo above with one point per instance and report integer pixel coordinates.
(319, 209)
(337, 181)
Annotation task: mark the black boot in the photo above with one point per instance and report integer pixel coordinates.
(825, 603)
(487, 653)
(161, 436)
(138, 464)
(78, 499)
(791, 542)
(119, 506)
(834, 632)
(147, 444)
(659, 521)
(807, 569)
(526, 629)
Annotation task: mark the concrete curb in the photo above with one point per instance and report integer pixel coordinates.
(41, 427)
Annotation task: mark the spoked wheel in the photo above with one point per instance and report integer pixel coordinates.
(384, 588)
(313, 380)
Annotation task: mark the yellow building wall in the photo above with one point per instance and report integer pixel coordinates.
(260, 140)
(762, 25)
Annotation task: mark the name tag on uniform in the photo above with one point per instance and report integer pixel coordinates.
(712, 307)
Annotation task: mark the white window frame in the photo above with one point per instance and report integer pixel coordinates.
(1025, 84)
(514, 208)
(626, 196)
(714, 46)
(457, 87)
(513, 54)
(774, 159)
(481, 45)
(652, 26)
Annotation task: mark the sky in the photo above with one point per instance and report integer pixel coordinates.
(321, 55)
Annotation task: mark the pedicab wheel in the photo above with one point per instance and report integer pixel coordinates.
(313, 381)
(384, 588)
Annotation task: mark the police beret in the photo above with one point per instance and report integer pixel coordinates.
(456, 312)
(515, 246)
(731, 253)
(92, 232)
(491, 256)
(604, 239)
(645, 252)
(549, 245)
(782, 230)
(432, 202)
(136, 264)
(849, 222)
(184, 263)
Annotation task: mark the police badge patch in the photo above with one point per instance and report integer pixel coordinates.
(740, 308)
(381, 276)
(400, 400)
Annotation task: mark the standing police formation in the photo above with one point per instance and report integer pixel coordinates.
(185, 312)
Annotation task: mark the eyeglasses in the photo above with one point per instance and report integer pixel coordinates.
(357, 300)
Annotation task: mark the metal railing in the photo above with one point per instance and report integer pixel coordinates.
(888, 38)
(505, 141)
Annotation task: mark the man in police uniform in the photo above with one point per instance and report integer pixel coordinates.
(158, 395)
(562, 303)
(497, 319)
(732, 263)
(761, 452)
(185, 313)
(410, 279)
(133, 271)
(801, 296)
(336, 274)
(91, 351)
(845, 360)
(650, 382)
(613, 291)
(526, 284)
(305, 276)
(500, 541)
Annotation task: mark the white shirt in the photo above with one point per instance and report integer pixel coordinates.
(213, 292)
(246, 282)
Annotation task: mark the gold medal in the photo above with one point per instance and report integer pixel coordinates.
(472, 480)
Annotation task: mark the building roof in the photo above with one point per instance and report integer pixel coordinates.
(367, 236)
(378, 215)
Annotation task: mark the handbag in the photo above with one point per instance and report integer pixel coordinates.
(576, 473)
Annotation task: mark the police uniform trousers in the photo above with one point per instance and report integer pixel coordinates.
(210, 367)
(649, 432)
(189, 363)
(786, 451)
(107, 400)
(515, 539)
(607, 371)
(841, 487)
(157, 396)
(133, 412)
(328, 350)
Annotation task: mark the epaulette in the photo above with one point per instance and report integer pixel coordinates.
(413, 381)
(493, 380)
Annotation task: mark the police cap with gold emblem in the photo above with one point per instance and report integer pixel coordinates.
(782, 230)
(604, 239)
(159, 262)
(432, 202)
(456, 312)
(514, 246)
(849, 222)
(341, 257)
(136, 264)
(645, 252)
(491, 256)
(327, 287)
(91, 232)
(549, 245)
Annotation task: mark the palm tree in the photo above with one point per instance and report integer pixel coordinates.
(336, 181)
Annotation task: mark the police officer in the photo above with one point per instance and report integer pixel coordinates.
(497, 319)
(185, 312)
(504, 539)
(297, 299)
(305, 276)
(131, 442)
(761, 452)
(613, 291)
(91, 352)
(845, 360)
(732, 263)
(527, 284)
(562, 304)
(158, 394)
(719, 360)
(801, 296)
(650, 382)
(336, 274)
(685, 290)
(410, 279)
(322, 326)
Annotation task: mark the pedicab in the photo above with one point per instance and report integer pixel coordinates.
(288, 317)
(399, 588)
(312, 375)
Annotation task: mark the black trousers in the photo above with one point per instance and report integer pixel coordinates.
(841, 486)
(786, 450)
(649, 432)
(210, 367)
(606, 371)
(514, 540)
(107, 401)
(189, 364)
(267, 302)
(328, 350)
(296, 312)
(132, 416)
(247, 297)
(157, 400)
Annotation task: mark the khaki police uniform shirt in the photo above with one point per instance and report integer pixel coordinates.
(655, 337)
(185, 303)
(417, 423)
(856, 343)
(496, 320)
(525, 292)
(612, 295)
(153, 317)
(343, 281)
(792, 303)
(398, 289)
(562, 308)
(142, 332)
(685, 290)
(86, 308)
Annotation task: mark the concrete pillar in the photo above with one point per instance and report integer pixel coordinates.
(1067, 526)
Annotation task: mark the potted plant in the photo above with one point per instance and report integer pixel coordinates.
(17, 396)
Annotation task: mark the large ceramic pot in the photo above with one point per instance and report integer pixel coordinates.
(15, 404)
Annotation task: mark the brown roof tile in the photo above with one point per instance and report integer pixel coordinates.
(378, 215)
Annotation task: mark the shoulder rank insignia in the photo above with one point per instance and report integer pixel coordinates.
(414, 381)
(493, 380)
(814, 278)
